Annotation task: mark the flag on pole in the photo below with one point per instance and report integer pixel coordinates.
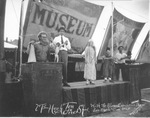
(144, 54)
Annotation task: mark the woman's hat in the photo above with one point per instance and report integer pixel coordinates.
(41, 32)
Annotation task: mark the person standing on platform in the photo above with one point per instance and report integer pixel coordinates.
(108, 66)
(63, 52)
(42, 48)
(120, 63)
(90, 61)
(128, 59)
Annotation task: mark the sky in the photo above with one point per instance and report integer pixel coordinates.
(12, 19)
(137, 10)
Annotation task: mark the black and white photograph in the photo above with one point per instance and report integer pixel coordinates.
(74, 58)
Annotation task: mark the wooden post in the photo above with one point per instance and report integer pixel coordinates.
(112, 42)
(2, 62)
(2, 22)
(21, 36)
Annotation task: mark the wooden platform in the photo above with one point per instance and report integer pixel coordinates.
(40, 93)
(78, 100)
(86, 100)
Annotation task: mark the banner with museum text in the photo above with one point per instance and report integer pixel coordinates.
(144, 54)
(77, 16)
(125, 33)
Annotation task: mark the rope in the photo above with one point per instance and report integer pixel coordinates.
(15, 11)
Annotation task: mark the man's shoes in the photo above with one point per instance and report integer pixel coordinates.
(92, 83)
(111, 81)
(105, 80)
(66, 84)
(87, 82)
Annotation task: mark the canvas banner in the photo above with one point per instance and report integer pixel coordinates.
(77, 16)
(144, 54)
(125, 33)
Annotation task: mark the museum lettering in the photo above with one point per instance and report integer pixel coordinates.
(53, 19)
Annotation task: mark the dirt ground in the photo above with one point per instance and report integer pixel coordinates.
(135, 109)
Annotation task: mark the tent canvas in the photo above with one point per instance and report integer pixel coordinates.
(77, 16)
(8, 45)
(125, 32)
(136, 10)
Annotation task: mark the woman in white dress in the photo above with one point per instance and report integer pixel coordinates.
(90, 61)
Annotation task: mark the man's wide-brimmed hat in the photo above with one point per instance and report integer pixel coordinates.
(120, 47)
(62, 28)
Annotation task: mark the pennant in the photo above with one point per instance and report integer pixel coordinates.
(144, 54)
(77, 16)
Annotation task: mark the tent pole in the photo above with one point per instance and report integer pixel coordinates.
(2, 21)
(21, 36)
(112, 49)
(15, 61)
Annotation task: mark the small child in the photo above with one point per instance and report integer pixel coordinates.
(56, 52)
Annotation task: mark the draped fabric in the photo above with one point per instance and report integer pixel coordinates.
(144, 54)
(31, 57)
(125, 33)
(94, 97)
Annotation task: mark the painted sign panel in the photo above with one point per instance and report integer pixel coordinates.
(77, 16)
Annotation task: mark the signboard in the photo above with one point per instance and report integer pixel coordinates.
(77, 16)
(125, 33)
